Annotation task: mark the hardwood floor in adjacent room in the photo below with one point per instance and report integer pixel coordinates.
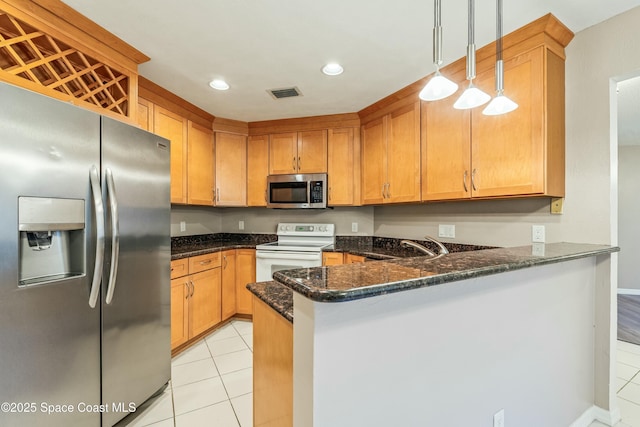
(629, 318)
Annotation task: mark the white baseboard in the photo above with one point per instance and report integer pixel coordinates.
(626, 291)
(595, 413)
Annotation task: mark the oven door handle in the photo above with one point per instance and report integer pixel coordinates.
(289, 256)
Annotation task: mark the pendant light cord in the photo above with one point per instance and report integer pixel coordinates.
(499, 30)
(471, 48)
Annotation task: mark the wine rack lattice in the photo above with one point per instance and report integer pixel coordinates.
(29, 53)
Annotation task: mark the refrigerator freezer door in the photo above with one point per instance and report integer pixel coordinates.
(49, 339)
(136, 353)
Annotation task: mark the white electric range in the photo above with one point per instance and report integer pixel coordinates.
(298, 246)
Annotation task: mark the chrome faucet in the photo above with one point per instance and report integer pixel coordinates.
(443, 249)
(409, 243)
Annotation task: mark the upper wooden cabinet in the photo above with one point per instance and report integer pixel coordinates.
(200, 165)
(343, 166)
(145, 114)
(231, 169)
(469, 155)
(298, 152)
(391, 157)
(257, 170)
(174, 127)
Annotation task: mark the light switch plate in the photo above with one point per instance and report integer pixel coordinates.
(447, 230)
(240, 225)
(354, 227)
(183, 226)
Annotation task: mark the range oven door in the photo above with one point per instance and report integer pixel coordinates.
(268, 262)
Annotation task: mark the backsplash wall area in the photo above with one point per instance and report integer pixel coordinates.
(485, 222)
(261, 220)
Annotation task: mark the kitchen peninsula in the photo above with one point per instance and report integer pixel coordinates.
(411, 341)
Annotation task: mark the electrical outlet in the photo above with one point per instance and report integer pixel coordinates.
(537, 233)
(183, 226)
(354, 227)
(445, 230)
(498, 418)
(240, 225)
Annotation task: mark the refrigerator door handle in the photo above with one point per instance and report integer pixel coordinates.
(94, 179)
(115, 234)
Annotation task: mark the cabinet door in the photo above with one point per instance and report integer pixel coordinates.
(258, 167)
(374, 170)
(174, 127)
(340, 167)
(312, 151)
(145, 114)
(508, 150)
(332, 258)
(403, 155)
(353, 259)
(228, 284)
(200, 176)
(283, 156)
(205, 301)
(231, 169)
(245, 273)
(446, 150)
(179, 311)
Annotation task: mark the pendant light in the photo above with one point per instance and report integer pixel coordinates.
(500, 104)
(472, 97)
(439, 87)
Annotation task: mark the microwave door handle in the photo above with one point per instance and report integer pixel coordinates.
(291, 256)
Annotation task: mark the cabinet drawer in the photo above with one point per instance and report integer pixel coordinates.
(179, 267)
(204, 262)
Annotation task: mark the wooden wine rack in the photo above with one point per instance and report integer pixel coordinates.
(30, 54)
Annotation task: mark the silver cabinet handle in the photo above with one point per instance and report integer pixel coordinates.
(473, 180)
(94, 179)
(464, 181)
(217, 194)
(188, 290)
(213, 191)
(329, 193)
(205, 262)
(383, 187)
(115, 234)
(298, 163)
(293, 163)
(193, 288)
(388, 190)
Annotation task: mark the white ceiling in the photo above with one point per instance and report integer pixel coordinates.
(256, 45)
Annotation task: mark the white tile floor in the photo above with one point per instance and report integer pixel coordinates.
(212, 384)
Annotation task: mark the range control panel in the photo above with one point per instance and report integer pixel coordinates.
(296, 229)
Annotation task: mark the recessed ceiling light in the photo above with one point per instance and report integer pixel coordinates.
(219, 84)
(332, 69)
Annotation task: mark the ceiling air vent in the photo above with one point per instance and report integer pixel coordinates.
(285, 92)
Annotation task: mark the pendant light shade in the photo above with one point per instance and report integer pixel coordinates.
(472, 97)
(439, 87)
(500, 104)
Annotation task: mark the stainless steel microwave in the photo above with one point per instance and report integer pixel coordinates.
(299, 191)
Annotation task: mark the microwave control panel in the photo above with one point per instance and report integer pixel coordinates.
(316, 192)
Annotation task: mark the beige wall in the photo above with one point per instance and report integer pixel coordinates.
(198, 220)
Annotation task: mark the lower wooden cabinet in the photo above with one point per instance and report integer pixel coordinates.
(352, 259)
(195, 298)
(228, 284)
(272, 368)
(245, 273)
(332, 258)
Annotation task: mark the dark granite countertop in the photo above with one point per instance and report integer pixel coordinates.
(276, 296)
(380, 248)
(187, 246)
(362, 280)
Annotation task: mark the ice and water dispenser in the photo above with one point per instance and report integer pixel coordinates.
(52, 242)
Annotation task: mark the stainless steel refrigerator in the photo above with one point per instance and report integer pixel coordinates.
(84, 264)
